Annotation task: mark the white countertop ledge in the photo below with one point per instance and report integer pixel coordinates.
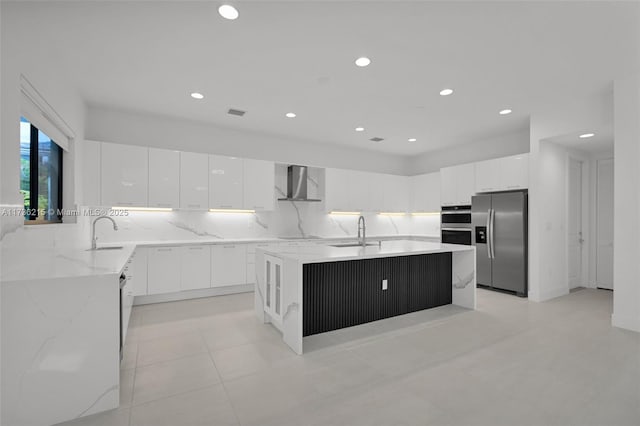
(45, 264)
(320, 254)
(258, 240)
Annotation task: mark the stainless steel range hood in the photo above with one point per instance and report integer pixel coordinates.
(297, 184)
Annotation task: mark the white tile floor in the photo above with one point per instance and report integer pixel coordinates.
(511, 362)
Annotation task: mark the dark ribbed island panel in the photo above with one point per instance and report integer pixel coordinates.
(429, 283)
(348, 293)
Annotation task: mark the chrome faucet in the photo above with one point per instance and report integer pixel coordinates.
(94, 239)
(362, 241)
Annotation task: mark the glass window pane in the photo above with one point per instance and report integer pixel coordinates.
(42, 192)
(25, 159)
(49, 156)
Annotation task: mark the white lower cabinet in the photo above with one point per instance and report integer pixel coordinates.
(140, 271)
(164, 270)
(195, 268)
(273, 290)
(228, 265)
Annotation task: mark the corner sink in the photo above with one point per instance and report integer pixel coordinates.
(106, 248)
(353, 245)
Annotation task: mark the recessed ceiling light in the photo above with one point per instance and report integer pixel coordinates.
(228, 12)
(196, 95)
(363, 61)
(376, 139)
(359, 129)
(505, 112)
(587, 135)
(446, 92)
(412, 139)
(290, 115)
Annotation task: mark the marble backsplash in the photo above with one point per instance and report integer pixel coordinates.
(290, 219)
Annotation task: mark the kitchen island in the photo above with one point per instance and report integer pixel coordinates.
(314, 289)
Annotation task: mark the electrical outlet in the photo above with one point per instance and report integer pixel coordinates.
(385, 284)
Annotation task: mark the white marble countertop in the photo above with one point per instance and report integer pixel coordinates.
(36, 264)
(320, 253)
(33, 264)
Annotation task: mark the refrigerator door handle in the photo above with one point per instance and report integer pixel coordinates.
(489, 233)
(492, 220)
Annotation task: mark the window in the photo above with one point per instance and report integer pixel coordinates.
(40, 175)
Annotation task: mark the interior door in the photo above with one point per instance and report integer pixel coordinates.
(604, 225)
(509, 241)
(574, 225)
(480, 205)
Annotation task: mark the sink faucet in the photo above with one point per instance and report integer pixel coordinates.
(363, 226)
(94, 239)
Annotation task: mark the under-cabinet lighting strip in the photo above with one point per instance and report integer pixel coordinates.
(425, 214)
(231, 211)
(143, 209)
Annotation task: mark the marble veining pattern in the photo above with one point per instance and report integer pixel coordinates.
(297, 210)
(463, 282)
(393, 223)
(192, 229)
(291, 308)
(262, 224)
(69, 365)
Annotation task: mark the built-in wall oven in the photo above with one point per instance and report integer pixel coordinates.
(455, 225)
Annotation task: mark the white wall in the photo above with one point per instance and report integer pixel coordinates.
(547, 189)
(60, 94)
(626, 245)
(496, 147)
(134, 128)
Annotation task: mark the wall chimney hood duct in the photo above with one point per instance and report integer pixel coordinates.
(297, 184)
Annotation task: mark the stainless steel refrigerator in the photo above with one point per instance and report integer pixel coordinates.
(499, 223)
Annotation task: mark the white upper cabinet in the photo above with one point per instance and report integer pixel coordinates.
(351, 190)
(515, 171)
(457, 184)
(396, 194)
(226, 182)
(194, 181)
(488, 175)
(336, 190)
(376, 191)
(503, 174)
(124, 175)
(259, 184)
(164, 178)
(91, 173)
(425, 193)
(358, 187)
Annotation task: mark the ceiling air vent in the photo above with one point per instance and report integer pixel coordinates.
(237, 112)
(376, 139)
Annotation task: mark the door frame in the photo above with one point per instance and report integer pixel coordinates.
(584, 211)
(596, 218)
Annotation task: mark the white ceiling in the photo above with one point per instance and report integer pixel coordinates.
(298, 56)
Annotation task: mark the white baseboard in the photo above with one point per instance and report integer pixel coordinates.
(543, 296)
(627, 322)
(192, 294)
